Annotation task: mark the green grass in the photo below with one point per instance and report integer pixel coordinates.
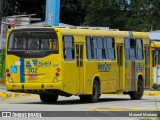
(155, 86)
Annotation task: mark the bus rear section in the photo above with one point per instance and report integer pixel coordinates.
(32, 60)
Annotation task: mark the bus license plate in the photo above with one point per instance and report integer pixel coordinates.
(32, 77)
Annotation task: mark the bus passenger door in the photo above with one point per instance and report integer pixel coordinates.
(147, 66)
(120, 67)
(80, 68)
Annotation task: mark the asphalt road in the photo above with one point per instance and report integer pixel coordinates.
(107, 106)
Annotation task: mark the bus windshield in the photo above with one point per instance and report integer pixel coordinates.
(37, 41)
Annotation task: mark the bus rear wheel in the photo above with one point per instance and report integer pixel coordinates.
(48, 98)
(94, 96)
(137, 95)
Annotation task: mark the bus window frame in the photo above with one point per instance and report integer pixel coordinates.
(132, 47)
(103, 49)
(86, 45)
(114, 49)
(135, 48)
(97, 47)
(142, 46)
(64, 50)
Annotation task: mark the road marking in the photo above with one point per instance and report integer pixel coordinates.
(117, 109)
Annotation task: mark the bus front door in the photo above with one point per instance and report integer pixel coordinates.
(147, 66)
(120, 67)
(80, 68)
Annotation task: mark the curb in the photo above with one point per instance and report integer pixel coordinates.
(146, 93)
(151, 93)
(5, 95)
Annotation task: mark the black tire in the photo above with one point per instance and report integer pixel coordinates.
(94, 96)
(137, 95)
(48, 98)
(83, 98)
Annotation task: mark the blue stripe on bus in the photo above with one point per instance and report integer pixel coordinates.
(22, 80)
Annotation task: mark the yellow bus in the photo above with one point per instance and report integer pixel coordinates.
(155, 48)
(53, 61)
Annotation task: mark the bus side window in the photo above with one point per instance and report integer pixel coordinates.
(139, 49)
(94, 47)
(68, 48)
(129, 48)
(108, 48)
(111, 48)
(99, 48)
(89, 48)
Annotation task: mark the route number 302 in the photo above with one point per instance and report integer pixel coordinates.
(32, 70)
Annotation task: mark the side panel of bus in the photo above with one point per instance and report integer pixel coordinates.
(69, 65)
(104, 70)
(134, 61)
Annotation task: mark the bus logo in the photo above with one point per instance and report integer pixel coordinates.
(14, 69)
(104, 67)
(6, 114)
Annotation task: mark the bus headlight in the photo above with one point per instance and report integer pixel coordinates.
(10, 80)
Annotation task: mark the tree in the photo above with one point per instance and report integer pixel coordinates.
(72, 12)
(138, 16)
(8, 8)
(133, 15)
(155, 14)
(20, 7)
(106, 13)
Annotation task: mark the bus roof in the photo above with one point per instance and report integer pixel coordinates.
(99, 32)
(154, 36)
(90, 32)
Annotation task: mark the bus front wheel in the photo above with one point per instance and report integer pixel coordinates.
(48, 98)
(137, 95)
